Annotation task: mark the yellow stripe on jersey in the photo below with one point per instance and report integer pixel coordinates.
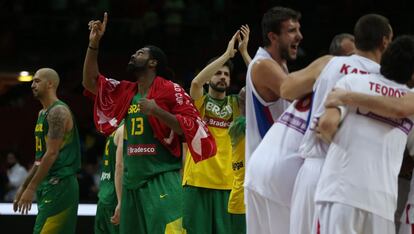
(175, 227)
(55, 223)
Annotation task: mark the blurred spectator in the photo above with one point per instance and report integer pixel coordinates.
(342, 45)
(3, 176)
(16, 174)
(88, 188)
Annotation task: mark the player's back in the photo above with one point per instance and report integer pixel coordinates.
(363, 161)
(338, 67)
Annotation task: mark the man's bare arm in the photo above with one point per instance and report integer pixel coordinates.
(243, 42)
(59, 119)
(385, 106)
(328, 124)
(300, 83)
(90, 66)
(267, 77)
(150, 107)
(23, 187)
(196, 89)
(119, 167)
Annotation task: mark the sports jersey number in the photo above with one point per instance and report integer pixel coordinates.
(137, 126)
(38, 144)
(107, 148)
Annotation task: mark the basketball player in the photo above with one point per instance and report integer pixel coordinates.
(53, 175)
(207, 184)
(109, 197)
(357, 190)
(372, 35)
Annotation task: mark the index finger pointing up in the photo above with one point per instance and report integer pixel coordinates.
(105, 19)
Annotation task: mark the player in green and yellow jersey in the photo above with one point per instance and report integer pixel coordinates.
(53, 175)
(107, 211)
(207, 184)
(237, 132)
(151, 184)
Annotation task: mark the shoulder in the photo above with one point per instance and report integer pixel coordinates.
(264, 64)
(59, 112)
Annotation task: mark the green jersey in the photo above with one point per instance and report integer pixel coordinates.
(144, 156)
(69, 158)
(107, 193)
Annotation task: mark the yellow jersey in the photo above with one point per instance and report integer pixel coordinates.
(215, 172)
(237, 133)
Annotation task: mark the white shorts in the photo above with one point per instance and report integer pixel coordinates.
(403, 191)
(264, 216)
(344, 219)
(407, 220)
(302, 211)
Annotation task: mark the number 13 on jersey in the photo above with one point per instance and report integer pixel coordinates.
(137, 126)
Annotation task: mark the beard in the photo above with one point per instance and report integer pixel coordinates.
(284, 54)
(134, 67)
(218, 88)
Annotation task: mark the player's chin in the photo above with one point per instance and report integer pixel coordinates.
(293, 55)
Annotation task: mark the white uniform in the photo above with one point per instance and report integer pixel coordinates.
(272, 170)
(312, 148)
(407, 217)
(260, 115)
(359, 180)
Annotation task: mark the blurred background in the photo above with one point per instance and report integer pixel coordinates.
(54, 33)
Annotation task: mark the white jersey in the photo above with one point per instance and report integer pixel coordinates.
(273, 166)
(364, 159)
(260, 115)
(336, 68)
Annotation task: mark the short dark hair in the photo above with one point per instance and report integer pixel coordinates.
(228, 63)
(162, 62)
(336, 45)
(273, 18)
(369, 31)
(397, 62)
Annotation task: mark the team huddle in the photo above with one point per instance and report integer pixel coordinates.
(316, 151)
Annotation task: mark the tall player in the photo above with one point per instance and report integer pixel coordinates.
(158, 114)
(372, 35)
(357, 190)
(53, 175)
(281, 38)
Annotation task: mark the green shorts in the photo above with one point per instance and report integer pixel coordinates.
(205, 211)
(58, 206)
(155, 207)
(238, 223)
(103, 223)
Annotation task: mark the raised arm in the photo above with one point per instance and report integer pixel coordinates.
(90, 66)
(60, 121)
(243, 42)
(385, 106)
(119, 167)
(196, 89)
(301, 82)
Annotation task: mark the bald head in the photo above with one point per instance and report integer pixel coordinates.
(50, 75)
(342, 45)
